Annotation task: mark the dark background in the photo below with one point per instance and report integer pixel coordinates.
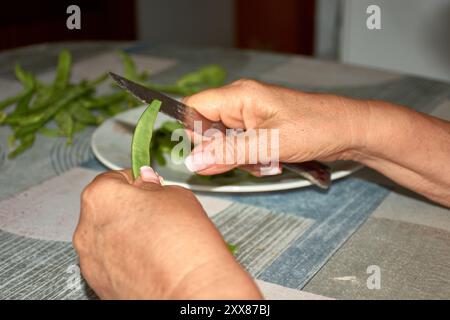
(29, 22)
(284, 26)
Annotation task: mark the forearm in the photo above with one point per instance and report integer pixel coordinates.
(409, 147)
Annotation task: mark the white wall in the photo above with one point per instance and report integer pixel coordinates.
(414, 37)
(192, 22)
(326, 38)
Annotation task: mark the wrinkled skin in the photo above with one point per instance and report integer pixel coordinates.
(142, 240)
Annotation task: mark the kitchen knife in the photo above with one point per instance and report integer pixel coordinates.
(317, 173)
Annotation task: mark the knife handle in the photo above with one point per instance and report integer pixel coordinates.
(315, 172)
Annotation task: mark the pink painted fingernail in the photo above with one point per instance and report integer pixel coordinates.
(270, 171)
(198, 161)
(148, 174)
(161, 179)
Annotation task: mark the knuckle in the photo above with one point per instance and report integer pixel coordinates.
(249, 90)
(102, 178)
(78, 242)
(248, 84)
(198, 99)
(94, 196)
(88, 194)
(96, 188)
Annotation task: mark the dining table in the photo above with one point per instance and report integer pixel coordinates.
(364, 238)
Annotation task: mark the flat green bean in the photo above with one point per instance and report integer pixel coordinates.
(232, 247)
(171, 126)
(142, 137)
(46, 114)
(23, 104)
(130, 69)
(83, 115)
(26, 78)
(206, 77)
(29, 83)
(49, 132)
(10, 101)
(77, 127)
(209, 76)
(23, 98)
(105, 101)
(65, 124)
(63, 71)
(22, 131)
(114, 109)
(44, 96)
(25, 143)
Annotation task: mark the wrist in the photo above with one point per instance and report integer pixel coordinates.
(377, 130)
(352, 130)
(220, 278)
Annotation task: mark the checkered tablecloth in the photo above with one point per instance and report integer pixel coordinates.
(322, 242)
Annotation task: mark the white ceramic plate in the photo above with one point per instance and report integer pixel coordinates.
(111, 144)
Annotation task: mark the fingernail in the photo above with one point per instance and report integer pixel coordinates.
(270, 171)
(198, 161)
(148, 174)
(193, 164)
(161, 179)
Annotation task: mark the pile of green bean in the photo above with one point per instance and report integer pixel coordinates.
(62, 108)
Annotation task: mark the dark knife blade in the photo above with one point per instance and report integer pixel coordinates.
(171, 107)
(317, 173)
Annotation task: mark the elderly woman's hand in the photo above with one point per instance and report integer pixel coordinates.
(409, 147)
(309, 126)
(143, 240)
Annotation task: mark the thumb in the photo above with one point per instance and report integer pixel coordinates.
(148, 178)
(224, 153)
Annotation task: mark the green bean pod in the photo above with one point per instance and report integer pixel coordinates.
(65, 124)
(25, 143)
(142, 137)
(63, 71)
